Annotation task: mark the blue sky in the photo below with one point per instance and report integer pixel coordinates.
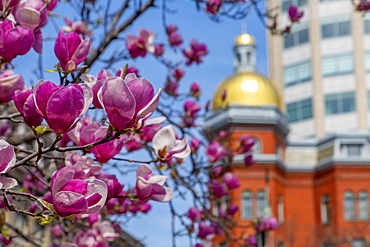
(154, 228)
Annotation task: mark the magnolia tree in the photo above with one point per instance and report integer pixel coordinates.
(59, 135)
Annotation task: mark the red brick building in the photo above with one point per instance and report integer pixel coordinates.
(318, 189)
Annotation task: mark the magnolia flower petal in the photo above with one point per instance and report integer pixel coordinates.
(143, 189)
(158, 179)
(164, 138)
(8, 183)
(67, 203)
(161, 194)
(7, 155)
(100, 187)
(143, 171)
(62, 177)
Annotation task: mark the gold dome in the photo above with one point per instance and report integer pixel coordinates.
(244, 39)
(247, 89)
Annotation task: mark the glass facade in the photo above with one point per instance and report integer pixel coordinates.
(296, 38)
(335, 29)
(300, 110)
(297, 73)
(340, 103)
(337, 65)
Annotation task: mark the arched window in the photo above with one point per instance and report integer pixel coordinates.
(261, 203)
(247, 204)
(349, 205)
(249, 54)
(358, 243)
(257, 148)
(280, 208)
(325, 209)
(363, 205)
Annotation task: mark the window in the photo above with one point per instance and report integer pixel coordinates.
(358, 243)
(363, 205)
(287, 3)
(335, 29)
(261, 203)
(340, 103)
(367, 62)
(296, 37)
(325, 209)
(349, 205)
(247, 204)
(257, 147)
(337, 65)
(352, 150)
(367, 26)
(300, 110)
(297, 73)
(280, 208)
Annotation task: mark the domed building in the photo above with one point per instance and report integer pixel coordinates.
(316, 188)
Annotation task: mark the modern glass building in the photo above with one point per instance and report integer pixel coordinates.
(322, 68)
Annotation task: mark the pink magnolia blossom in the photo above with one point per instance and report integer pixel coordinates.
(213, 6)
(114, 187)
(248, 160)
(232, 209)
(132, 143)
(7, 162)
(195, 90)
(28, 14)
(246, 143)
(171, 88)
(171, 29)
(194, 144)
(14, 41)
(105, 151)
(75, 196)
(167, 146)
(60, 106)
(191, 109)
(294, 14)
(230, 180)
(195, 52)
(206, 230)
(149, 187)
(71, 50)
(9, 83)
(25, 104)
(95, 84)
(138, 46)
(194, 214)
(84, 165)
(7, 4)
(218, 189)
(265, 223)
(84, 131)
(57, 231)
(100, 234)
(251, 241)
(150, 128)
(158, 50)
(215, 151)
(178, 73)
(78, 26)
(175, 39)
(134, 70)
(128, 102)
(5, 129)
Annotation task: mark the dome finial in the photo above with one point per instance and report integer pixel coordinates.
(243, 28)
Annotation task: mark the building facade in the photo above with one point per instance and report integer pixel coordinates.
(322, 67)
(316, 184)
